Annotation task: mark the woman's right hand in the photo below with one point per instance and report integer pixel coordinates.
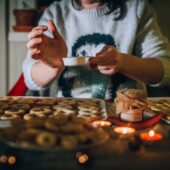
(46, 49)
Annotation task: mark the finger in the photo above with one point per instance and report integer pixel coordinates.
(35, 33)
(108, 61)
(106, 58)
(37, 57)
(34, 42)
(34, 51)
(102, 60)
(57, 64)
(109, 71)
(107, 51)
(107, 54)
(105, 48)
(43, 27)
(104, 67)
(53, 29)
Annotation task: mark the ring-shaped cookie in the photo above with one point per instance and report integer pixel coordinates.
(31, 116)
(46, 139)
(10, 117)
(87, 108)
(52, 125)
(60, 107)
(4, 106)
(40, 111)
(20, 106)
(15, 111)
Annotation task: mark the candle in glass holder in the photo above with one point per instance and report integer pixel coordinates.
(150, 136)
(124, 130)
(101, 123)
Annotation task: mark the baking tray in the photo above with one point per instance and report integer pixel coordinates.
(102, 105)
(7, 123)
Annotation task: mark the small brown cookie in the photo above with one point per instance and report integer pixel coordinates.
(46, 139)
(20, 106)
(10, 117)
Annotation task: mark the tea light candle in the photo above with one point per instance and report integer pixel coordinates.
(124, 130)
(150, 136)
(101, 123)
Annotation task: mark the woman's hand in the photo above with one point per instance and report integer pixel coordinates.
(108, 60)
(46, 49)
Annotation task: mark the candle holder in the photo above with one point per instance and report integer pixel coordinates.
(151, 138)
(101, 123)
(106, 125)
(124, 132)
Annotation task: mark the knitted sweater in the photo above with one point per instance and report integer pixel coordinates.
(87, 31)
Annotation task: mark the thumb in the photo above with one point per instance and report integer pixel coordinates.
(53, 29)
(105, 48)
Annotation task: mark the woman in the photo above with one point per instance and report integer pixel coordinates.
(123, 35)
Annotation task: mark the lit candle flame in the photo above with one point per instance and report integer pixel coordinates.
(151, 133)
(101, 123)
(124, 131)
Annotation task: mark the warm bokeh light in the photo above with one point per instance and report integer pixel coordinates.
(124, 130)
(11, 160)
(83, 159)
(101, 123)
(151, 136)
(3, 159)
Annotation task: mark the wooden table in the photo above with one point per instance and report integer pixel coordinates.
(114, 154)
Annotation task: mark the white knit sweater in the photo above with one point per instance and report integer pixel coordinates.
(86, 31)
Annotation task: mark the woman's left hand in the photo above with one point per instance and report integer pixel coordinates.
(108, 60)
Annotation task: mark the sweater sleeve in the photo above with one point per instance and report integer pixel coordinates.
(149, 40)
(26, 67)
(29, 62)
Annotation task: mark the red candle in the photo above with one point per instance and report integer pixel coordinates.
(150, 136)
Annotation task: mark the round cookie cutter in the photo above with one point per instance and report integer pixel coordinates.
(76, 61)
